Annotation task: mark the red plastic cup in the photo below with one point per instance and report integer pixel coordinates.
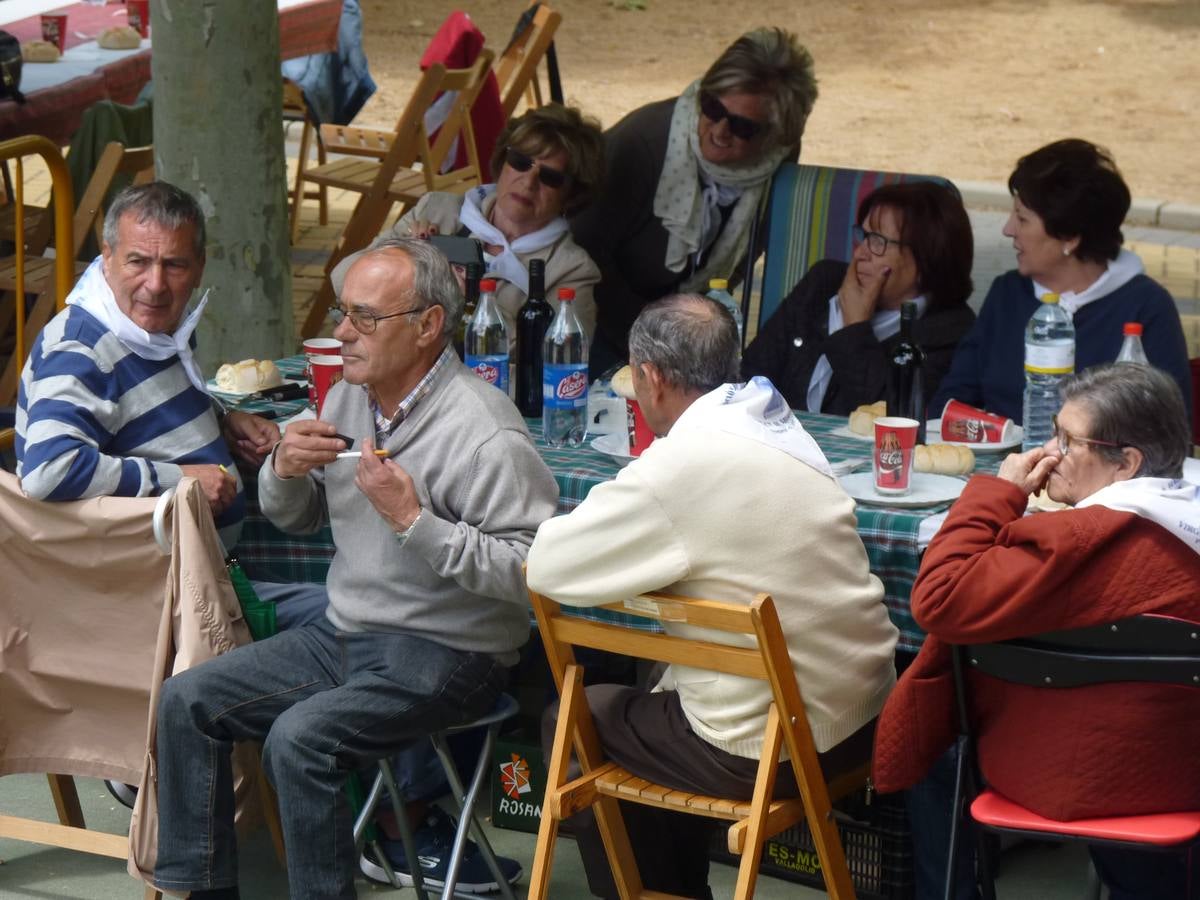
(327, 371)
(895, 439)
(138, 13)
(54, 31)
(317, 347)
(964, 424)
(640, 434)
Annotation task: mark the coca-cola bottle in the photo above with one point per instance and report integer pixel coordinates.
(906, 374)
(533, 319)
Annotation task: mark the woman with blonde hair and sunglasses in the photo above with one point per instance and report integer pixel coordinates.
(687, 177)
(548, 164)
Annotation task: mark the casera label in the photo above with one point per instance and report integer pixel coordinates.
(565, 386)
(492, 368)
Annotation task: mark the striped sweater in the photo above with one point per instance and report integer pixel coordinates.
(95, 419)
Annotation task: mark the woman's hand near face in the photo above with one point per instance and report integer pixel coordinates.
(859, 301)
(1029, 470)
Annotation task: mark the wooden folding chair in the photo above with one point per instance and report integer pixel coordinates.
(408, 169)
(36, 275)
(517, 67)
(296, 110)
(603, 783)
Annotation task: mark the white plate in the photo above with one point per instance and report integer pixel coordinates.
(844, 431)
(933, 435)
(927, 490)
(242, 395)
(615, 444)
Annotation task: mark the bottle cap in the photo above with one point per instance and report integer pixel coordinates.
(718, 284)
(1050, 298)
(565, 293)
(488, 284)
(1133, 328)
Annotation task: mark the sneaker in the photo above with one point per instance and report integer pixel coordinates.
(434, 841)
(126, 793)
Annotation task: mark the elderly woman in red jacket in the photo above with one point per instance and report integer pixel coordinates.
(1129, 546)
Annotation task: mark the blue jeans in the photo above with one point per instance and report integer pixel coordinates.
(324, 703)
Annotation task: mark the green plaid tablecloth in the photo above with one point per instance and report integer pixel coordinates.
(889, 534)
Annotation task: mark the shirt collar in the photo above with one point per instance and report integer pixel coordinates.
(384, 425)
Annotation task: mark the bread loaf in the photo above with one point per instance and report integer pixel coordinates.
(247, 376)
(622, 383)
(122, 38)
(39, 52)
(944, 459)
(862, 420)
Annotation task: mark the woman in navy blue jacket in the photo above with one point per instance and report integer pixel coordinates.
(1069, 201)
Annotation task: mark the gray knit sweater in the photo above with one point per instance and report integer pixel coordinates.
(483, 490)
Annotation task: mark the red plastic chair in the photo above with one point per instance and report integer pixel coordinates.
(1148, 648)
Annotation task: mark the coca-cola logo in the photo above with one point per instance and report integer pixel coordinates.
(488, 372)
(574, 385)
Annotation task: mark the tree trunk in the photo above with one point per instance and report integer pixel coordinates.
(218, 135)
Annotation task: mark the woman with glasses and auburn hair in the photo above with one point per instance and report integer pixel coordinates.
(686, 178)
(827, 346)
(1069, 201)
(1129, 546)
(548, 164)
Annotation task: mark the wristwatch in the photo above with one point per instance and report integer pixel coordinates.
(403, 536)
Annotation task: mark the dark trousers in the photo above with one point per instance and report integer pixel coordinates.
(648, 734)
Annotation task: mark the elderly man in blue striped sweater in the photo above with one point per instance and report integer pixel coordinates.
(111, 401)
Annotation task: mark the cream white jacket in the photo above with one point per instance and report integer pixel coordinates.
(707, 513)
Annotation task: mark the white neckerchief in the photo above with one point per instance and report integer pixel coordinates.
(755, 410)
(684, 205)
(1120, 272)
(93, 295)
(884, 323)
(1170, 502)
(506, 265)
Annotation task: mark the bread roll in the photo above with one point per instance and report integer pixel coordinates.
(122, 38)
(622, 383)
(944, 459)
(248, 376)
(862, 420)
(39, 52)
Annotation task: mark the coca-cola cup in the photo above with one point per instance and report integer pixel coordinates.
(640, 434)
(317, 347)
(54, 31)
(964, 424)
(327, 371)
(138, 14)
(895, 438)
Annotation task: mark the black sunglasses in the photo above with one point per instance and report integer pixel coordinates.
(739, 126)
(522, 162)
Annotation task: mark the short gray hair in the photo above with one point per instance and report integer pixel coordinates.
(773, 63)
(1134, 405)
(434, 283)
(692, 340)
(159, 202)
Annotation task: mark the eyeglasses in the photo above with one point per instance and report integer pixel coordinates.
(366, 322)
(739, 126)
(1064, 439)
(877, 243)
(523, 162)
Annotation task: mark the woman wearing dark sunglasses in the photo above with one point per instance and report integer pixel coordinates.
(828, 345)
(548, 164)
(686, 177)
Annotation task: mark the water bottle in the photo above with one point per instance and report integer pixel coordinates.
(906, 373)
(533, 319)
(1132, 350)
(487, 339)
(718, 289)
(565, 376)
(471, 296)
(1049, 359)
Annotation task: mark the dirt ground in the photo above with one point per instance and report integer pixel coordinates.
(960, 88)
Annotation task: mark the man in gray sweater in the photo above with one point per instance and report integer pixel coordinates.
(427, 603)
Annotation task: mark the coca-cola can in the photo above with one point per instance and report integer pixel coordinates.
(895, 438)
